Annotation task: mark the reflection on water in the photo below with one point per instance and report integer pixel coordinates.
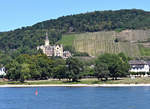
(75, 98)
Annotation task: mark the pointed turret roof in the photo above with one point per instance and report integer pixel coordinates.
(46, 40)
(46, 36)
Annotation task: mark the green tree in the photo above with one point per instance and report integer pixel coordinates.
(24, 72)
(59, 69)
(117, 64)
(19, 68)
(101, 70)
(74, 69)
(123, 66)
(69, 48)
(12, 71)
(43, 66)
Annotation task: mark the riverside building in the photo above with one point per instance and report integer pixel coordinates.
(139, 66)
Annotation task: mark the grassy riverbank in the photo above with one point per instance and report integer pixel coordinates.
(145, 80)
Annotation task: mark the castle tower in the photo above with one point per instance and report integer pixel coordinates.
(46, 40)
(58, 50)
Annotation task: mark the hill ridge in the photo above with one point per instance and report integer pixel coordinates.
(26, 39)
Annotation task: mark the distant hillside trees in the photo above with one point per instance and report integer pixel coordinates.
(30, 37)
(25, 41)
(98, 21)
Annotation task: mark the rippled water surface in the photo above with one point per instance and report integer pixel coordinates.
(75, 98)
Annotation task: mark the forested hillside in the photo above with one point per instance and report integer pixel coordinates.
(88, 22)
(26, 39)
(98, 21)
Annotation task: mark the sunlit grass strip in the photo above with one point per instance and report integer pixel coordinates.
(144, 80)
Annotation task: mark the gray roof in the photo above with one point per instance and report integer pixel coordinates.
(148, 62)
(137, 62)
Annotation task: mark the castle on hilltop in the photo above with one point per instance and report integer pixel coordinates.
(55, 50)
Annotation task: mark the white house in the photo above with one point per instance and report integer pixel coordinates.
(139, 66)
(2, 71)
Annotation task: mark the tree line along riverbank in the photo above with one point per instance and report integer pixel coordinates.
(41, 67)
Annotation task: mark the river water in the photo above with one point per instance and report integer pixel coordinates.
(75, 98)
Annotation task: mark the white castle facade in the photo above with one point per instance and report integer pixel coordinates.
(55, 50)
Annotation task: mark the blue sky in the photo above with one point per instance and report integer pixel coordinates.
(19, 13)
